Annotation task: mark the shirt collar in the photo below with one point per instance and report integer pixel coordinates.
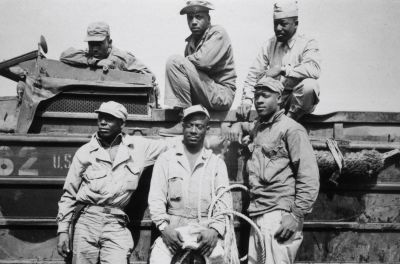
(205, 153)
(277, 116)
(190, 39)
(292, 40)
(96, 142)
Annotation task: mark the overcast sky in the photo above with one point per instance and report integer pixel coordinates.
(358, 39)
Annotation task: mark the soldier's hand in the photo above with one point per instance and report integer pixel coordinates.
(243, 111)
(235, 133)
(20, 91)
(207, 240)
(172, 239)
(92, 61)
(106, 64)
(17, 70)
(156, 93)
(274, 72)
(63, 245)
(214, 142)
(289, 225)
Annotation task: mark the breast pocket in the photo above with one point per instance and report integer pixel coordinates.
(96, 180)
(131, 178)
(275, 152)
(257, 166)
(175, 191)
(275, 160)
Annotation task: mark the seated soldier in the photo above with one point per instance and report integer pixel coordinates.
(185, 180)
(206, 74)
(290, 57)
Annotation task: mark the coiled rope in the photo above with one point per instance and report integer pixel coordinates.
(230, 238)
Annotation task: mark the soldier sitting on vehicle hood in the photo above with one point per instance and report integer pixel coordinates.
(101, 53)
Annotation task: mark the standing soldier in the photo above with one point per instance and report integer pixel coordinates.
(103, 175)
(290, 57)
(206, 75)
(283, 175)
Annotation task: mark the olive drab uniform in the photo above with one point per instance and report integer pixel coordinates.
(206, 75)
(283, 179)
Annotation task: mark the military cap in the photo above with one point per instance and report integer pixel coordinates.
(113, 108)
(97, 31)
(195, 109)
(285, 9)
(269, 83)
(195, 6)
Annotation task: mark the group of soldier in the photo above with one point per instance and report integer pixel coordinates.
(187, 176)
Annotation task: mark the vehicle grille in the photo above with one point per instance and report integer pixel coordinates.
(78, 103)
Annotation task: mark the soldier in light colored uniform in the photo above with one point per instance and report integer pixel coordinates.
(185, 179)
(103, 175)
(290, 57)
(206, 74)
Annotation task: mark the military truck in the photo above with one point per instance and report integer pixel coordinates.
(355, 219)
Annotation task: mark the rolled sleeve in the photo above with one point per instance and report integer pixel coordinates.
(67, 203)
(310, 63)
(158, 192)
(306, 172)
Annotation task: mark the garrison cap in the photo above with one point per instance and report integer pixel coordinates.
(195, 6)
(270, 83)
(285, 8)
(195, 109)
(97, 31)
(114, 109)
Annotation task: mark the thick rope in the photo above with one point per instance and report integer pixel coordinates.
(230, 233)
(364, 163)
(218, 197)
(248, 220)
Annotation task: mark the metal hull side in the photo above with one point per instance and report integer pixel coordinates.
(357, 220)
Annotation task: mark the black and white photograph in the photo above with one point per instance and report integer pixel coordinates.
(199, 131)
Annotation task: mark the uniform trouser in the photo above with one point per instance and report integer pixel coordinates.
(276, 252)
(101, 238)
(302, 98)
(186, 86)
(160, 253)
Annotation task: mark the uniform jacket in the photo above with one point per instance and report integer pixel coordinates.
(175, 189)
(283, 171)
(213, 55)
(123, 60)
(94, 179)
(300, 57)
